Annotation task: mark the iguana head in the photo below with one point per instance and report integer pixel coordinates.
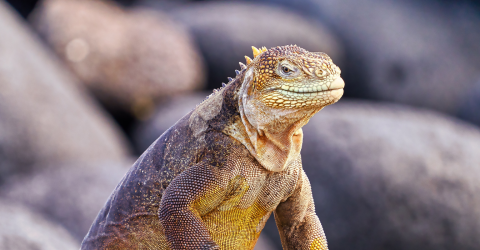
(290, 77)
(281, 89)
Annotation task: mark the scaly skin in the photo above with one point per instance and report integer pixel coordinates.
(213, 179)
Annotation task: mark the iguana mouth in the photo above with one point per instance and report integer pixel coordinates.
(306, 96)
(312, 94)
(336, 84)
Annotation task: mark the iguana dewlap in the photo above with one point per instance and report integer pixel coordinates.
(212, 180)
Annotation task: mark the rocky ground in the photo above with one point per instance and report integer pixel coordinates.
(86, 86)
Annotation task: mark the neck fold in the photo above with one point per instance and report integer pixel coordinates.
(273, 136)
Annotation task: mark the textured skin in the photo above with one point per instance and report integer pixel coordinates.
(213, 179)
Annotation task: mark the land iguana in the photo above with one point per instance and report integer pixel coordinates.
(212, 180)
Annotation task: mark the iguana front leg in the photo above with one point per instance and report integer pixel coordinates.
(297, 223)
(192, 193)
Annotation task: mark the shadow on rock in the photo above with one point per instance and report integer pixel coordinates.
(225, 32)
(165, 116)
(469, 109)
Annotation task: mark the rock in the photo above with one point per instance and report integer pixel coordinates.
(225, 32)
(44, 116)
(165, 116)
(163, 5)
(24, 7)
(470, 105)
(420, 53)
(71, 194)
(23, 229)
(264, 243)
(391, 177)
(130, 59)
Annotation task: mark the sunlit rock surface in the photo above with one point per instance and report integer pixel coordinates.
(129, 58)
(44, 116)
(23, 229)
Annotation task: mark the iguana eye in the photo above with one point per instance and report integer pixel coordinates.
(286, 70)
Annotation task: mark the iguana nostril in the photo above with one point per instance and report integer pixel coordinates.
(321, 73)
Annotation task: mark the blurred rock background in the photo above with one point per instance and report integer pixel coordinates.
(86, 86)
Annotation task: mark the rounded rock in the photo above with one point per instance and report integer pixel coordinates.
(44, 116)
(423, 54)
(69, 193)
(23, 229)
(393, 177)
(130, 59)
(225, 32)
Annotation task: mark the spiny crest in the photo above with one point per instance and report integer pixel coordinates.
(256, 52)
(248, 59)
(242, 66)
(276, 51)
(237, 72)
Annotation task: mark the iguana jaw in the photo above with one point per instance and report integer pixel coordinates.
(288, 96)
(338, 83)
(315, 87)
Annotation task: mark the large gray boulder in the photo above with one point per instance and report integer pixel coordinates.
(24, 229)
(71, 194)
(225, 32)
(420, 53)
(130, 59)
(44, 116)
